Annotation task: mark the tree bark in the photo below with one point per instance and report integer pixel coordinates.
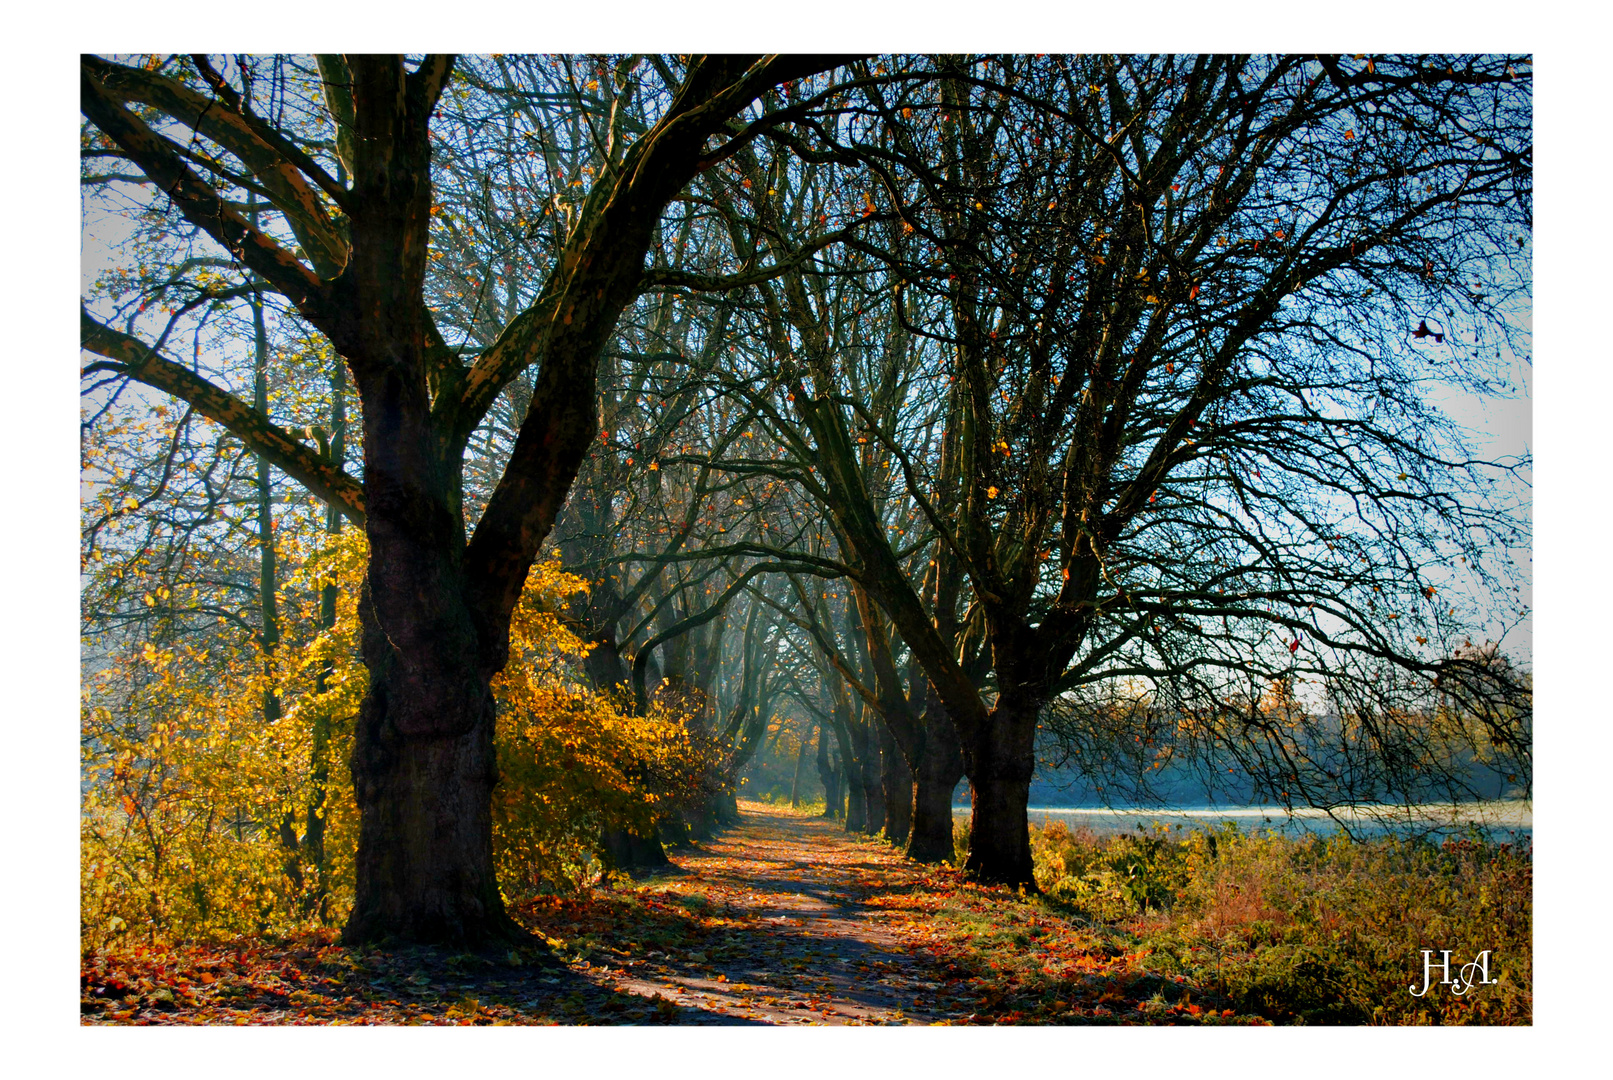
(604, 666)
(423, 774)
(930, 840)
(624, 849)
(935, 776)
(856, 808)
(1000, 763)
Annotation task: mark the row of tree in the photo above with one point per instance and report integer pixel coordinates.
(946, 404)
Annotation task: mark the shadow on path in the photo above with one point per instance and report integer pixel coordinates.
(785, 934)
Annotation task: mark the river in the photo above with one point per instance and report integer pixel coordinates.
(1510, 820)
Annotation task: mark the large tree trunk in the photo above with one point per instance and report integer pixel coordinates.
(425, 860)
(626, 849)
(935, 777)
(930, 839)
(1000, 764)
(423, 774)
(423, 764)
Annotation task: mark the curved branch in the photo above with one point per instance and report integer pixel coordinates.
(164, 163)
(135, 359)
(641, 660)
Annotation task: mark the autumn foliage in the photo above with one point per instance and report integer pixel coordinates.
(195, 807)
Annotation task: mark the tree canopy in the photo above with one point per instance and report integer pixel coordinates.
(952, 407)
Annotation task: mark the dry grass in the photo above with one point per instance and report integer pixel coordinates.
(1308, 930)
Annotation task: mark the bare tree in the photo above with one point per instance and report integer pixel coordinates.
(1181, 309)
(350, 252)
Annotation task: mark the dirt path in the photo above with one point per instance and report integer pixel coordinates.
(783, 919)
(798, 944)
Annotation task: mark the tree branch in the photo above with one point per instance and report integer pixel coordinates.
(161, 160)
(135, 359)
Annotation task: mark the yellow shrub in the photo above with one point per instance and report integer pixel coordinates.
(572, 762)
(187, 790)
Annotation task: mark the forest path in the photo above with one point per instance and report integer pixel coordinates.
(791, 936)
(781, 919)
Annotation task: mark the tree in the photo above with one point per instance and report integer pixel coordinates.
(1179, 308)
(766, 210)
(352, 262)
(1101, 380)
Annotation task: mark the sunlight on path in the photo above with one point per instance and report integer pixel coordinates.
(799, 944)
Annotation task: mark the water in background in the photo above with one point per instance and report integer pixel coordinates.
(1500, 821)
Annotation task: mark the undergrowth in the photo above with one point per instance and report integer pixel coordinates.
(1304, 930)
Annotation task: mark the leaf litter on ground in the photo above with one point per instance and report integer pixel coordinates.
(783, 919)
